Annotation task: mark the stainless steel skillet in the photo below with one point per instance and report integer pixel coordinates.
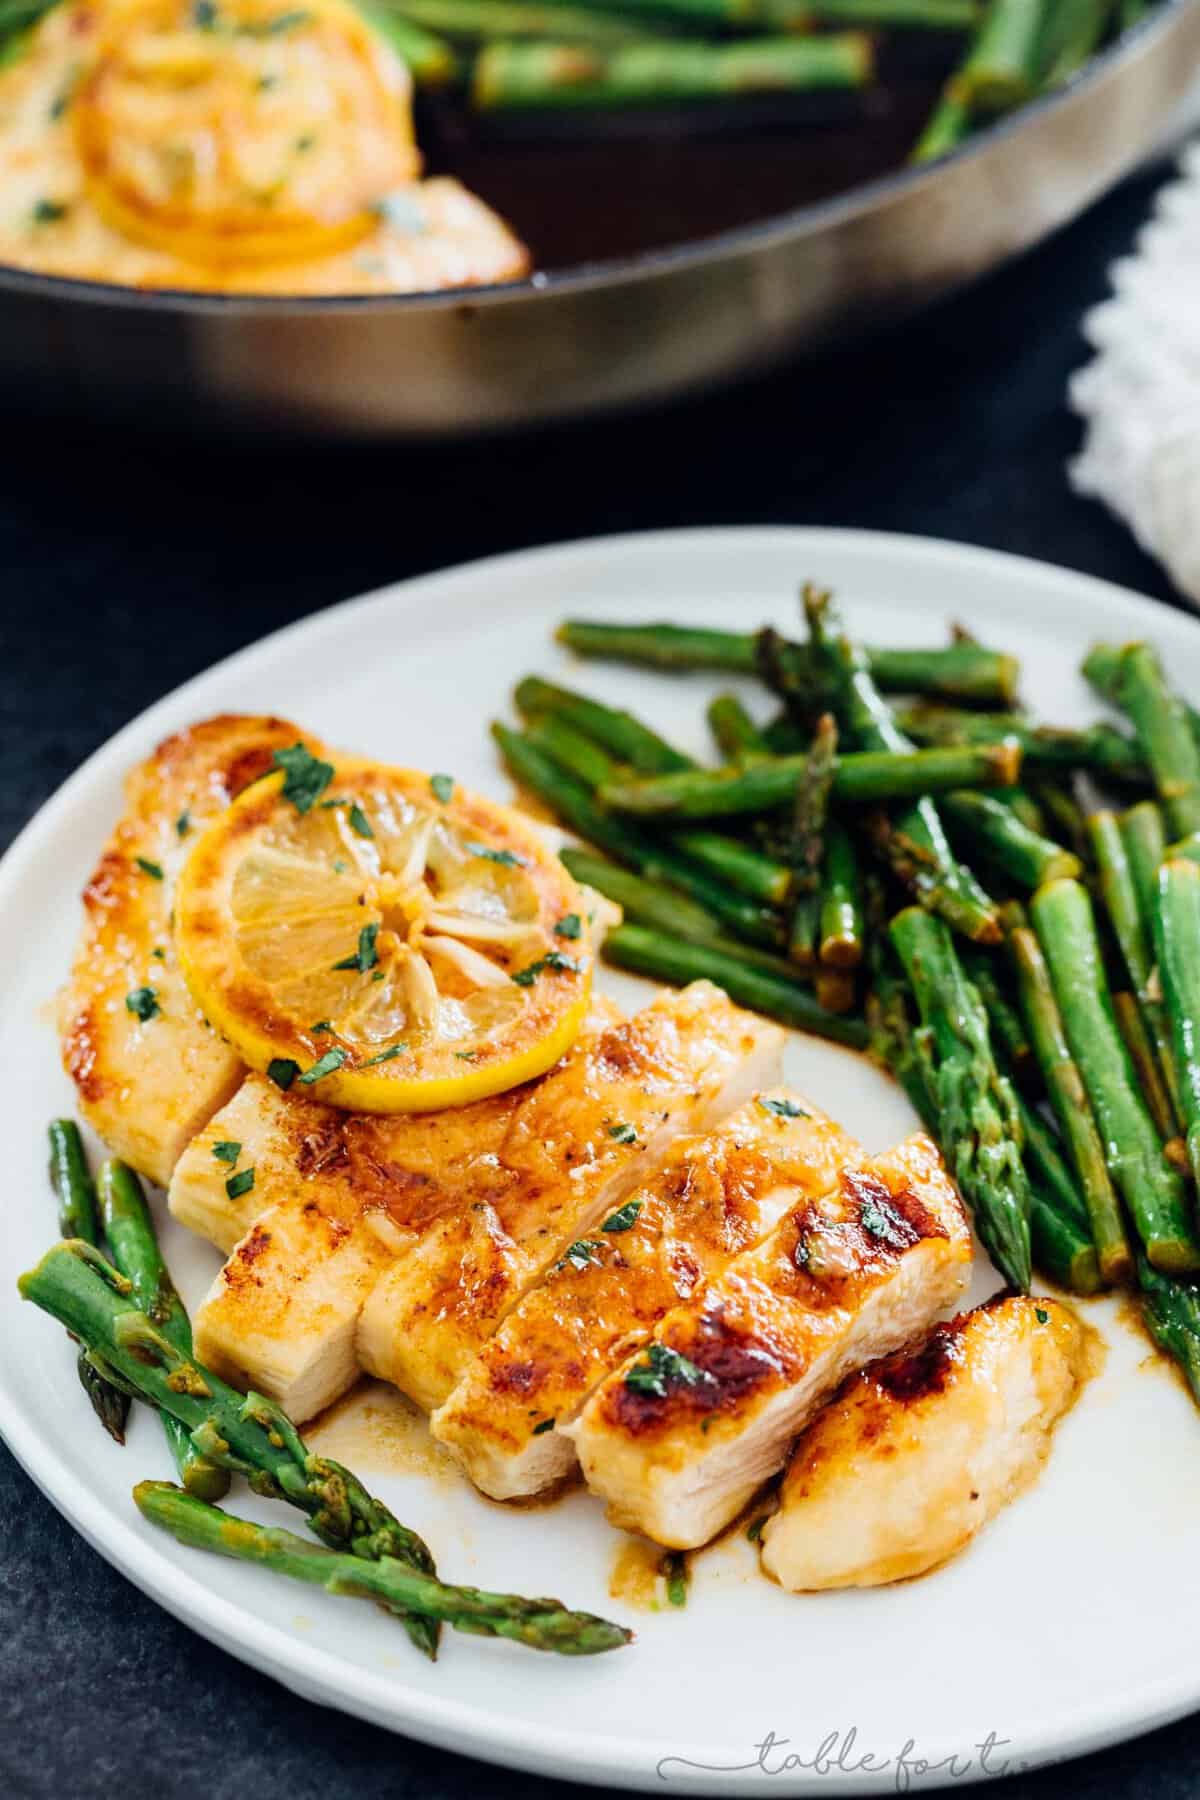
(609, 335)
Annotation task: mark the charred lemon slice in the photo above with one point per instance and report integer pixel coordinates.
(242, 131)
(382, 939)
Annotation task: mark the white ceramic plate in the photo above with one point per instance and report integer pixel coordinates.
(1069, 1624)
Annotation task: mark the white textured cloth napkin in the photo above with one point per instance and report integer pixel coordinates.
(1140, 396)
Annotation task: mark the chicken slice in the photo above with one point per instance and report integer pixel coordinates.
(333, 1198)
(918, 1452)
(575, 1147)
(679, 1438)
(714, 1196)
(149, 1071)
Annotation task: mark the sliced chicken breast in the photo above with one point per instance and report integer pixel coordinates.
(713, 1196)
(678, 1439)
(148, 1070)
(314, 1205)
(918, 1452)
(576, 1146)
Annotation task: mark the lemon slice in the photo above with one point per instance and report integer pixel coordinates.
(382, 939)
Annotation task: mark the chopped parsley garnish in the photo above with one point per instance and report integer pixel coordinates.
(569, 926)
(305, 776)
(282, 1071)
(265, 83)
(674, 1571)
(204, 15)
(623, 1218)
(322, 1025)
(340, 865)
(142, 1003)
(402, 213)
(49, 212)
(442, 788)
(1041, 1315)
(366, 956)
(507, 859)
(465, 1055)
(579, 1254)
(755, 1528)
(662, 1368)
(153, 869)
(623, 1134)
(227, 1151)
(240, 1184)
(386, 1055)
(553, 959)
(284, 21)
(877, 1217)
(306, 143)
(359, 821)
(325, 1065)
(783, 1109)
(158, 953)
(542, 1425)
(183, 824)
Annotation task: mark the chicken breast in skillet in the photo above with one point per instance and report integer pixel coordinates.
(148, 1070)
(678, 1439)
(713, 1196)
(576, 1146)
(918, 1452)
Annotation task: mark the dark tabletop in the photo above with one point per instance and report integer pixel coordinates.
(125, 568)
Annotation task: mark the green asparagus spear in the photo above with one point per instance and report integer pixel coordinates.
(475, 20)
(978, 1125)
(874, 15)
(1069, 1098)
(1132, 13)
(1187, 849)
(1137, 684)
(1074, 31)
(1119, 889)
(1099, 748)
(1145, 841)
(1142, 1055)
(737, 736)
(992, 828)
(1171, 1310)
(1002, 67)
(572, 803)
(539, 1624)
(674, 960)
(430, 60)
(1059, 1229)
(618, 732)
(961, 671)
(841, 924)
(914, 841)
(663, 909)
(78, 1217)
(135, 1252)
(1005, 1024)
(860, 778)
(948, 125)
(725, 859)
(1177, 945)
(244, 1434)
(522, 77)
(806, 840)
(1153, 1192)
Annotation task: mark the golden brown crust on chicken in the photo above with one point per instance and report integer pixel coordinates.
(713, 1196)
(147, 1085)
(576, 1145)
(919, 1451)
(678, 1439)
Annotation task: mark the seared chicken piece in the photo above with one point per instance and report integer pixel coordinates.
(678, 1439)
(918, 1452)
(335, 1197)
(576, 1146)
(714, 1196)
(148, 1070)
